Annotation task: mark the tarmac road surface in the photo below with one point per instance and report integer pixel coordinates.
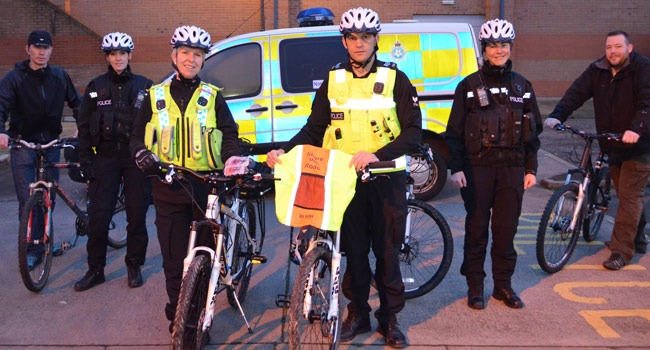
(583, 306)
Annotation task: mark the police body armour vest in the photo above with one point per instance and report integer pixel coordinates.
(316, 187)
(363, 113)
(191, 140)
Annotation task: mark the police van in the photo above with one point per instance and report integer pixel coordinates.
(269, 79)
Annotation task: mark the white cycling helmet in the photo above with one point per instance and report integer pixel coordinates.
(359, 20)
(117, 41)
(191, 36)
(497, 30)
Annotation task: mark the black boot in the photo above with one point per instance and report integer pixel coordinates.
(475, 298)
(134, 276)
(392, 334)
(354, 325)
(93, 277)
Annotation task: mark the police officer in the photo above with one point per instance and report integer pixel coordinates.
(493, 140)
(344, 117)
(105, 124)
(184, 103)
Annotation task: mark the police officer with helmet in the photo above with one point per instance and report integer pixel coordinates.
(105, 124)
(368, 109)
(172, 111)
(492, 135)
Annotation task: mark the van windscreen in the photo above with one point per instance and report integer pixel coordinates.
(305, 62)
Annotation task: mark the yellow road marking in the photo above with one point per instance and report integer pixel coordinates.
(565, 290)
(595, 319)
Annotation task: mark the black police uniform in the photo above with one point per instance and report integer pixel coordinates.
(105, 122)
(175, 206)
(376, 217)
(494, 145)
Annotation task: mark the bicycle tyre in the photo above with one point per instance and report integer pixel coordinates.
(311, 332)
(242, 254)
(598, 205)
(117, 234)
(32, 223)
(429, 175)
(426, 258)
(190, 311)
(555, 245)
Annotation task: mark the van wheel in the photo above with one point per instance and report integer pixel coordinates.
(429, 173)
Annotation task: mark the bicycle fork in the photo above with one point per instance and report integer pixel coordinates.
(582, 189)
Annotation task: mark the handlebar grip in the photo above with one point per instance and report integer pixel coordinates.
(382, 164)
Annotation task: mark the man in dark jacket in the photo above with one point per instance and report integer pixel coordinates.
(31, 98)
(619, 84)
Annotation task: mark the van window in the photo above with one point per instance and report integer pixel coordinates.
(305, 62)
(238, 70)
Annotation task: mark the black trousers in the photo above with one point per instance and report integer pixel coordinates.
(376, 218)
(103, 191)
(493, 199)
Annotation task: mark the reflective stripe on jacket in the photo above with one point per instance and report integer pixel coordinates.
(190, 139)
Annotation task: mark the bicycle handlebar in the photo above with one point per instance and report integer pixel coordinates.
(66, 142)
(366, 174)
(587, 135)
(212, 177)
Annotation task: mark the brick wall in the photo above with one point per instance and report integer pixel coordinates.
(555, 39)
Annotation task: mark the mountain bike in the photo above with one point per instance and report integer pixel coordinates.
(207, 271)
(428, 248)
(314, 311)
(36, 230)
(578, 205)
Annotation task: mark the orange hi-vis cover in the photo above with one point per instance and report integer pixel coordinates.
(316, 186)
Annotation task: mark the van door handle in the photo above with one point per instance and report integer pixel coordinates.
(281, 107)
(257, 109)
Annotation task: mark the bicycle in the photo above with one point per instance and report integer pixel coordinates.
(36, 230)
(426, 254)
(207, 271)
(579, 204)
(314, 312)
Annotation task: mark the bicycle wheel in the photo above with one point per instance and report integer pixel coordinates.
(117, 227)
(190, 312)
(597, 205)
(427, 252)
(309, 326)
(555, 243)
(242, 267)
(34, 243)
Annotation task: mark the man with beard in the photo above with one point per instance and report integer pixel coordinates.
(619, 84)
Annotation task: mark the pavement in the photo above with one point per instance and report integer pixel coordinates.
(583, 306)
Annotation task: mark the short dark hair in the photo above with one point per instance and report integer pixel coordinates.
(620, 32)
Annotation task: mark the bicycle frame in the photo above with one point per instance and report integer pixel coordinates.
(47, 184)
(588, 171)
(322, 238)
(222, 256)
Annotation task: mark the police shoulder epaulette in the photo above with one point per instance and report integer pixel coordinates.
(391, 65)
(337, 66)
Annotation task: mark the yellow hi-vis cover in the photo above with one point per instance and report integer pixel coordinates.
(316, 185)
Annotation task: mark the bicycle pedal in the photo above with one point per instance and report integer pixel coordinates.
(602, 208)
(283, 300)
(258, 259)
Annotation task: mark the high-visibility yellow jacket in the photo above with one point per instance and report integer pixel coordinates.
(191, 140)
(316, 186)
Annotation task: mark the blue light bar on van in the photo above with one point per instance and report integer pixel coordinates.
(316, 16)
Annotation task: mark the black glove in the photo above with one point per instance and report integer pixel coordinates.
(88, 171)
(146, 161)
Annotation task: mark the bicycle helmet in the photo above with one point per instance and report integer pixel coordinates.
(191, 36)
(497, 31)
(117, 41)
(359, 20)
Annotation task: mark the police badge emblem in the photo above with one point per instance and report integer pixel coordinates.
(398, 52)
